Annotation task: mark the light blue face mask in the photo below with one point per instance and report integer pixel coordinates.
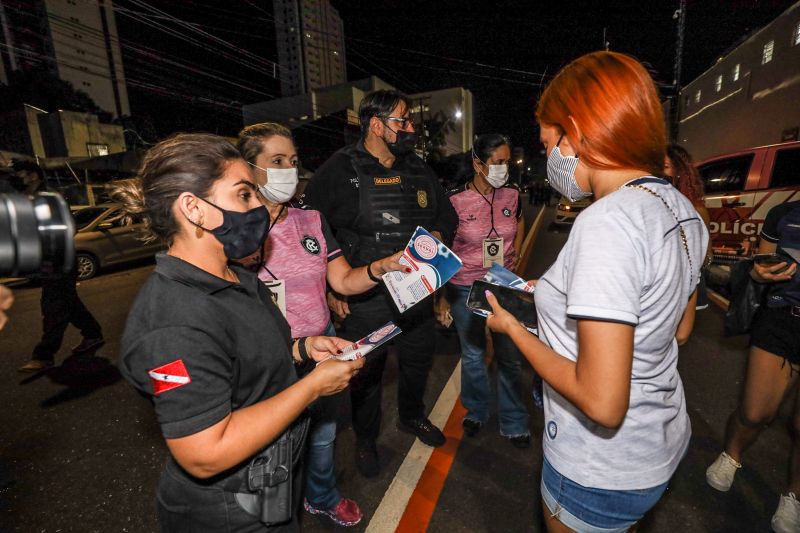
(561, 174)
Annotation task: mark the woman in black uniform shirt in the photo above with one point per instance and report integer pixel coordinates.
(196, 336)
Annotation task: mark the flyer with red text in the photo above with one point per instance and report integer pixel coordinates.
(432, 265)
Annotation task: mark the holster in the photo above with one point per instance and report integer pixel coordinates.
(268, 477)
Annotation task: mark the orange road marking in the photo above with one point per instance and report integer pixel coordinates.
(422, 503)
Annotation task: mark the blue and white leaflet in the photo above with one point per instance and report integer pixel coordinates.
(362, 347)
(432, 265)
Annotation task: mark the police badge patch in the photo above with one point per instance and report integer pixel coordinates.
(422, 199)
(311, 245)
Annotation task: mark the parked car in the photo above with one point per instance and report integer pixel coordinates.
(104, 238)
(740, 189)
(82, 195)
(566, 211)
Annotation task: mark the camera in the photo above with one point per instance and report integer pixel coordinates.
(36, 234)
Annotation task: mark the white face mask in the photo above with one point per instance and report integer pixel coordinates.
(561, 174)
(281, 184)
(498, 175)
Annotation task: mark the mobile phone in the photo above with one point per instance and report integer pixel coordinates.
(519, 303)
(770, 259)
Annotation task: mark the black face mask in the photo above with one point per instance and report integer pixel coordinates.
(241, 234)
(404, 142)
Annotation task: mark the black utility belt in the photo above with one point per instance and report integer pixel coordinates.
(264, 487)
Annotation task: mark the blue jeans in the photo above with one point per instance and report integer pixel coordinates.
(591, 510)
(320, 490)
(513, 416)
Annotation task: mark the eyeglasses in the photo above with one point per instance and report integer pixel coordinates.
(401, 121)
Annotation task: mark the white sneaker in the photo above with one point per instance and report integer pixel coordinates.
(787, 518)
(720, 474)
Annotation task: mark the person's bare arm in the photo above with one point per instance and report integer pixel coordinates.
(246, 431)
(686, 325)
(771, 274)
(599, 382)
(441, 309)
(338, 304)
(6, 301)
(348, 281)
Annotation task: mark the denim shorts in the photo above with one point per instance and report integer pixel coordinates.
(588, 510)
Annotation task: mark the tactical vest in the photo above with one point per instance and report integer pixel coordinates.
(391, 206)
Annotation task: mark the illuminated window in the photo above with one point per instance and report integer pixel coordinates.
(718, 83)
(697, 95)
(95, 149)
(766, 54)
(735, 74)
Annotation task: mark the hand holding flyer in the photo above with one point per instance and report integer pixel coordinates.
(432, 265)
(362, 347)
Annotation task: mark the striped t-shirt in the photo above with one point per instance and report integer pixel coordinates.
(297, 251)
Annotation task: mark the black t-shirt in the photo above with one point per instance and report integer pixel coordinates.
(782, 227)
(333, 190)
(201, 347)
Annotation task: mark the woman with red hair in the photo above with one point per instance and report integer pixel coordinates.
(615, 305)
(679, 168)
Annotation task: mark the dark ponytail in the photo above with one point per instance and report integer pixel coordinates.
(186, 162)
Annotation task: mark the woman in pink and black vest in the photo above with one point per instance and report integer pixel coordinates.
(490, 230)
(300, 258)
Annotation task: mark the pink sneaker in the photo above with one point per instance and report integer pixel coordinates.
(345, 513)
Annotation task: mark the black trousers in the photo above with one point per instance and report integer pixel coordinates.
(61, 307)
(186, 507)
(415, 348)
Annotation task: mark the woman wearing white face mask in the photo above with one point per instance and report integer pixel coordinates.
(615, 305)
(490, 230)
(299, 259)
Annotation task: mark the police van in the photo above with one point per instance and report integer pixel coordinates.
(740, 189)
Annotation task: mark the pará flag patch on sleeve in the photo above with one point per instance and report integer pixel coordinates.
(170, 376)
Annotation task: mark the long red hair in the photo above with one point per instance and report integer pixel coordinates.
(614, 103)
(685, 177)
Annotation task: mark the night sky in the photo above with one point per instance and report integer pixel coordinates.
(421, 45)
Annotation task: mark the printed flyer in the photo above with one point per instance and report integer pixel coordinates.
(502, 276)
(432, 265)
(360, 348)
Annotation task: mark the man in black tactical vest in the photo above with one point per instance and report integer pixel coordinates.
(374, 193)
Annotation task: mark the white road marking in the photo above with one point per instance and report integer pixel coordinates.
(388, 514)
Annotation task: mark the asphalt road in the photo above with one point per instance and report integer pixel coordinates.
(85, 452)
